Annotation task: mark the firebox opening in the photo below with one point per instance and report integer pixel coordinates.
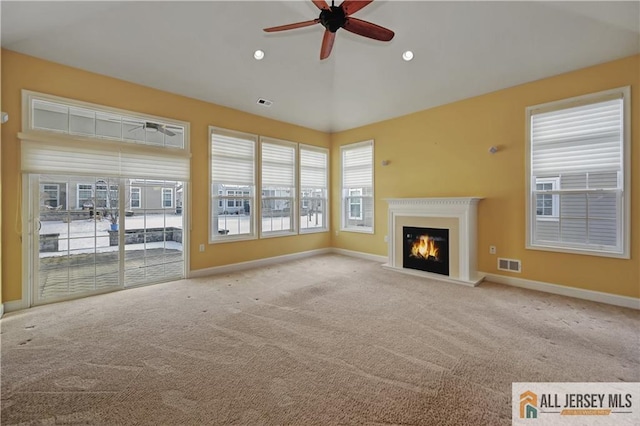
(426, 249)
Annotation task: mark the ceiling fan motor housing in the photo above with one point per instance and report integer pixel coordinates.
(332, 19)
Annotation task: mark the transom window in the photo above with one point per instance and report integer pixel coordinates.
(74, 118)
(578, 174)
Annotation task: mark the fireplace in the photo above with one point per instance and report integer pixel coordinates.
(426, 249)
(449, 224)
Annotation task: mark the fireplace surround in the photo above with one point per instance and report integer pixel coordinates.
(456, 215)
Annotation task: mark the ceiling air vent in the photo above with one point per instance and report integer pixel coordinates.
(265, 102)
(510, 265)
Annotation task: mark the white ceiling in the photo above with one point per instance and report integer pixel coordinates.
(204, 50)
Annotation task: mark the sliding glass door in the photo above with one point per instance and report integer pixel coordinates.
(95, 234)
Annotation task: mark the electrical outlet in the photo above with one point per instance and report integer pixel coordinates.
(386, 238)
(492, 249)
(201, 247)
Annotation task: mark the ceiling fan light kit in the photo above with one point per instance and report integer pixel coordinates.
(332, 18)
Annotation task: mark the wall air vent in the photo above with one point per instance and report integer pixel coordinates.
(265, 102)
(510, 265)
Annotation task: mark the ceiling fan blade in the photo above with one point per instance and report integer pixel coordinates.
(352, 6)
(166, 131)
(327, 44)
(291, 26)
(321, 4)
(367, 29)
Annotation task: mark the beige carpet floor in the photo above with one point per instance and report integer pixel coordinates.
(325, 340)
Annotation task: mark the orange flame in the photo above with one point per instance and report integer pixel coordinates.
(425, 247)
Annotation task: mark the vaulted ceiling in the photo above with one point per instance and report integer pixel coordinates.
(205, 50)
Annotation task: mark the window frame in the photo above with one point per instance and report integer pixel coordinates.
(249, 193)
(343, 191)
(324, 199)
(273, 196)
(623, 213)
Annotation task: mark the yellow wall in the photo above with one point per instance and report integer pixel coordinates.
(443, 152)
(25, 72)
(440, 152)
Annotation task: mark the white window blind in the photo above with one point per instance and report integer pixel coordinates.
(111, 159)
(578, 174)
(232, 157)
(313, 168)
(357, 165)
(582, 139)
(278, 165)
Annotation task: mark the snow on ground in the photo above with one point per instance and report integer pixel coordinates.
(87, 235)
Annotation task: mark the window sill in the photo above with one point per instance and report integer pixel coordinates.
(232, 239)
(580, 250)
(313, 231)
(360, 230)
(275, 234)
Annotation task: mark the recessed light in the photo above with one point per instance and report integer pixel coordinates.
(407, 56)
(258, 54)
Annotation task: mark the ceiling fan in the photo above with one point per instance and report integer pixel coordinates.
(154, 127)
(334, 17)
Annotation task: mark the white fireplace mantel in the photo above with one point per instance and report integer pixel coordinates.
(459, 214)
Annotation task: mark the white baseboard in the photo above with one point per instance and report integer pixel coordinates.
(360, 255)
(578, 293)
(1, 309)
(14, 305)
(241, 266)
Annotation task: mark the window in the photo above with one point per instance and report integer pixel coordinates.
(313, 189)
(278, 203)
(74, 118)
(50, 195)
(232, 185)
(104, 141)
(578, 175)
(547, 204)
(355, 204)
(135, 198)
(167, 198)
(85, 195)
(357, 187)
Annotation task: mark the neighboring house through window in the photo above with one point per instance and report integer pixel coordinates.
(578, 173)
